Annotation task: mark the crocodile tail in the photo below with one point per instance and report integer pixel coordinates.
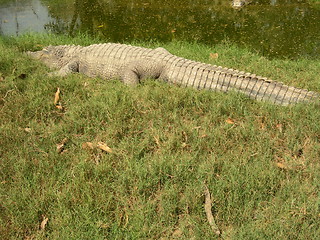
(205, 76)
(263, 89)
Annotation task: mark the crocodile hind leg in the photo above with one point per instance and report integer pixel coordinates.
(142, 69)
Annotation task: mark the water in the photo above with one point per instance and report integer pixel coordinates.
(18, 17)
(274, 28)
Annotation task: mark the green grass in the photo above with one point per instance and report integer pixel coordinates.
(260, 162)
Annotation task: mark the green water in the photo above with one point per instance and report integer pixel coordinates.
(286, 28)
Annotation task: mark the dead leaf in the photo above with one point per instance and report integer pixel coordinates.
(279, 127)
(261, 121)
(177, 233)
(281, 165)
(185, 136)
(88, 145)
(230, 121)
(60, 146)
(27, 129)
(104, 225)
(57, 96)
(31, 237)
(104, 147)
(262, 126)
(214, 55)
(184, 145)
(44, 222)
(156, 139)
(59, 107)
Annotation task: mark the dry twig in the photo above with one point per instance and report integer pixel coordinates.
(207, 208)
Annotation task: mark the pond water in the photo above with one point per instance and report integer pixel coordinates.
(17, 17)
(274, 28)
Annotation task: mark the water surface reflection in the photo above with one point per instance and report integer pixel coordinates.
(274, 28)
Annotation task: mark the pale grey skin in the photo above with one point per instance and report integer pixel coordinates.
(133, 64)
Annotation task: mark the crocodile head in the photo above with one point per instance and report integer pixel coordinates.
(52, 56)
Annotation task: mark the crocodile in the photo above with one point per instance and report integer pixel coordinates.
(133, 64)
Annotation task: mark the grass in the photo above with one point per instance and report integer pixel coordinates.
(260, 162)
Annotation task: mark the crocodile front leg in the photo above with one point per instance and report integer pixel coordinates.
(70, 67)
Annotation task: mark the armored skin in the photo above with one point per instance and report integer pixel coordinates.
(132, 64)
